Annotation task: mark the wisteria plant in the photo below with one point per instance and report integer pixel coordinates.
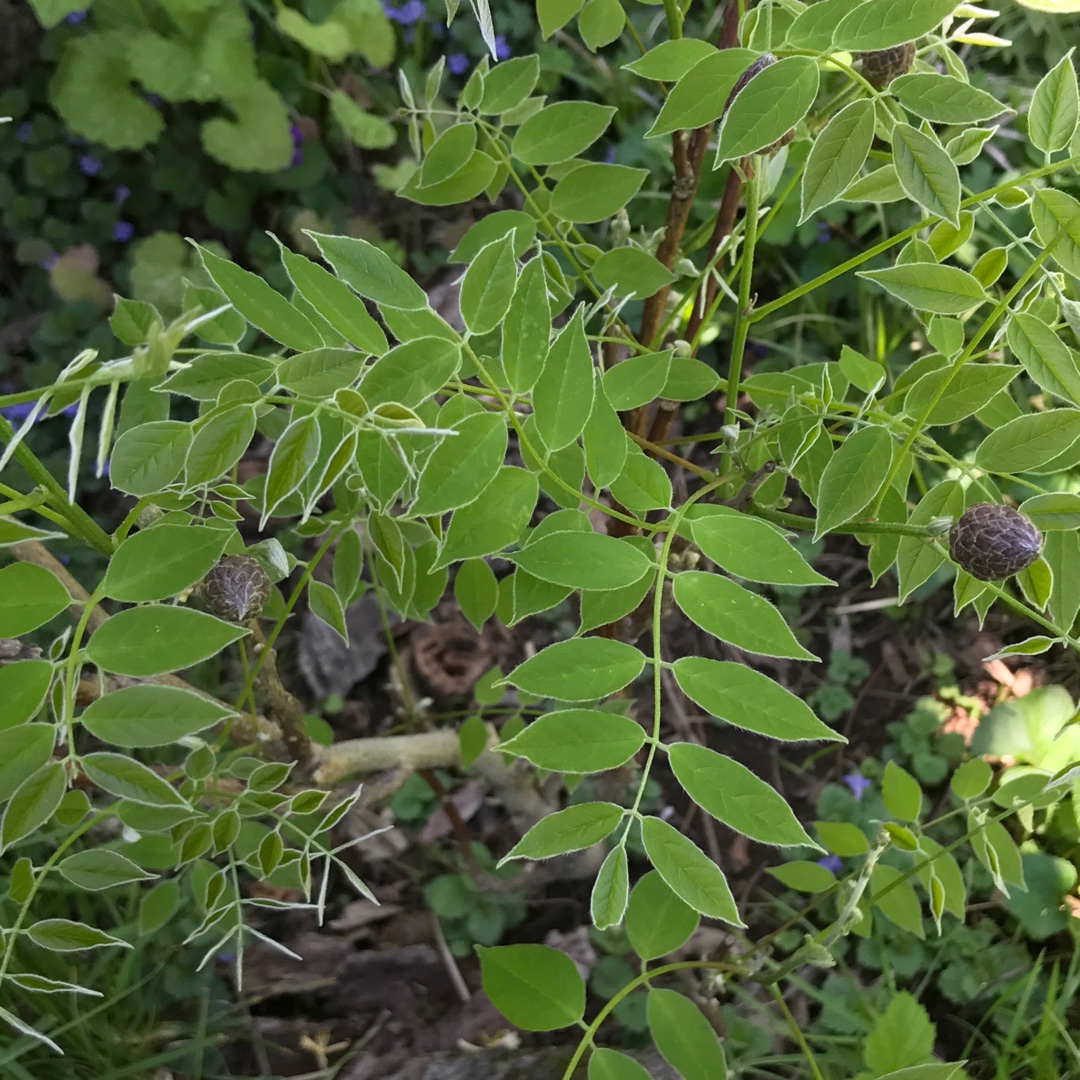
(538, 431)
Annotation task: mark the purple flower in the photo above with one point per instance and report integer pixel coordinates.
(502, 50)
(121, 194)
(457, 63)
(409, 12)
(857, 783)
(24, 131)
(75, 17)
(104, 472)
(17, 413)
(437, 29)
(297, 137)
(831, 862)
(89, 165)
(49, 261)
(824, 233)
(609, 156)
(123, 231)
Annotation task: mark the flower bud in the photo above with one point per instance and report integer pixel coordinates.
(883, 65)
(236, 589)
(992, 542)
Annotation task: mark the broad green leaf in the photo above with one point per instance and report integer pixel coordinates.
(578, 741)
(918, 557)
(526, 328)
(1053, 511)
(462, 466)
(950, 878)
(563, 395)
(643, 484)
(1055, 107)
(631, 272)
(148, 458)
(15, 532)
(688, 871)
(1029, 443)
(837, 156)
(1049, 361)
(853, 477)
(509, 83)
(657, 921)
(971, 779)
(410, 373)
(699, 97)
(138, 716)
(899, 904)
(218, 445)
(611, 890)
(901, 793)
(803, 876)
(944, 240)
(767, 107)
(685, 1039)
(880, 186)
(584, 669)
(637, 380)
(926, 172)
(1056, 215)
(555, 14)
(320, 372)
(1061, 551)
(880, 24)
(129, 779)
(736, 615)
(671, 60)
(604, 440)
(30, 596)
(842, 838)
(535, 987)
(750, 548)
(64, 935)
(488, 286)
(157, 638)
(592, 193)
(449, 153)
(494, 227)
(942, 290)
(968, 390)
(33, 802)
(732, 794)
(860, 371)
(583, 560)
(23, 750)
(335, 302)
(560, 132)
(206, 376)
(370, 271)
(493, 521)
(601, 22)
(260, 304)
(748, 699)
(945, 99)
(468, 182)
(101, 869)
(966, 147)
(902, 1036)
(815, 25)
(293, 458)
(23, 687)
(605, 1064)
(159, 562)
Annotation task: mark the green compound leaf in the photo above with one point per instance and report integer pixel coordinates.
(803, 876)
(293, 458)
(671, 60)
(750, 548)
(880, 24)
(462, 465)
(92, 91)
(563, 396)
(853, 477)
(750, 700)
(64, 935)
(968, 391)
(578, 741)
(23, 687)
(842, 838)
(162, 561)
(657, 921)
(219, 444)
(770, 105)
(488, 286)
(698, 98)
(592, 193)
(157, 638)
(1048, 360)
(608, 1064)
(466, 183)
(927, 173)
(899, 904)
(535, 987)
(206, 376)
(604, 440)
(1053, 511)
(837, 156)
(685, 1039)
(583, 561)
(260, 304)
(945, 99)
(140, 716)
(942, 290)
(320, 372)
(637, 380)
(903, 1036)
(901, 793)
(601, 22)
(736, 615)
(815, 26)
(370, 271)
(555, 14)
(509, 83)
(1055, 107)
(611, 890)
(493, 521)
(410, 373)
(30, 596)
(448, 154)
(631, 272)
(23, 750)
(494, 227)
(732, 794)
(97, 870)
(476, 591)
(1029, 443)
(1057, 220)
(526, 328)
(560, 132)
(129, 779)
(148, 458)
(33, 802)
(688, 871)
(918, 557)
(584, 669)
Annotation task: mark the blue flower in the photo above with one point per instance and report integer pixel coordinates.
(457, 63)
(297, 137)
(75, 17)
(857, 783)
(24, 131)
(89, 165)
(23, 409)
(502, 50)
(123, 231)
(121, 193)
(49, 261)
(410, 12)
(831, 862)
(824, 233)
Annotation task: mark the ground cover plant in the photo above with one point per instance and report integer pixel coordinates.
(631, 410)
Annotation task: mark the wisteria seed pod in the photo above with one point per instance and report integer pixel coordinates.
(992, 542)
(884, 65)
(764, 61)
(236, 589)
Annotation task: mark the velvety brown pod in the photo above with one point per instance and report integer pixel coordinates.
(236, 589)
(991, 541)
(882, 66)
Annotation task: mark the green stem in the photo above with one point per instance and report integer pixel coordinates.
(808, 524)
(674, 19)
(796, 1031)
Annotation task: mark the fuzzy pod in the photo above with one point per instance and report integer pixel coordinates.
(992, 542)
(764, 61)
(882, 66)
(236, 589)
